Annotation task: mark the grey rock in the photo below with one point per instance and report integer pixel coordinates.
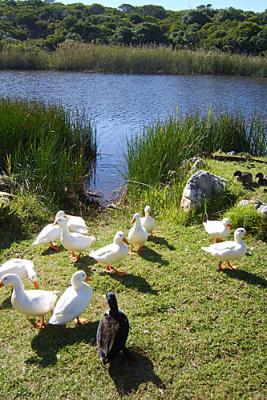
(200, 187)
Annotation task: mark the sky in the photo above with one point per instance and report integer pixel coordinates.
(247, 5)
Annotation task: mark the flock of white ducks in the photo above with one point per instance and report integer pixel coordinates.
(76, 298)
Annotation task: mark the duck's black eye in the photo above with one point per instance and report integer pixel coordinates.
(5, 279)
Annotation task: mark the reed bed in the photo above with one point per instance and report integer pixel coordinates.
(24, 58)
(154, 60)
(48, 149)
(77, 56)
(156, 171)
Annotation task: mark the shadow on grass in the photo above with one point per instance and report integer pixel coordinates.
(85, 263)
(245, 276)
(129, 373)
(161, 241)
(49, 251)
(11, 230)
(51, 339)
(6, 303)
(152, 256)
(135, 282)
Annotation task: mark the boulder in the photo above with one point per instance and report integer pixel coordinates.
(200, 187)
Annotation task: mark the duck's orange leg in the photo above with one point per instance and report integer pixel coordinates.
(80, 321)
(112, 270)
(53, 246)
(40, 325)
(230, 265)
(131, 249)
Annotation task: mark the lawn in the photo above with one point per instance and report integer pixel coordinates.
(195, 333)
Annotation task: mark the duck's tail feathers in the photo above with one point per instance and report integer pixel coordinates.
(207, 249)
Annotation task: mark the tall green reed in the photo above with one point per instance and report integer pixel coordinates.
(48, 149)
(77, 56)
(154, 60)
(23, 57)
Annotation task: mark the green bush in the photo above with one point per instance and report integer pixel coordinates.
(249, 218)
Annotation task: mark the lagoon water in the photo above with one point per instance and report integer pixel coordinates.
(120, 105)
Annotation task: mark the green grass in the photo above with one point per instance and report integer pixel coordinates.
(195, 333)
(76, 56)
(47, 149)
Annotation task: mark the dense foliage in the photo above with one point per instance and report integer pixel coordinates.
(48, 24)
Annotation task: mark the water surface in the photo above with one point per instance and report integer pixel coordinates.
(120, 105)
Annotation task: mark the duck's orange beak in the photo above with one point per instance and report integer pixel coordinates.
(88, 279)
(133, 221)
(125, 241)
(229, 226)
(1, 284)
(36, 284)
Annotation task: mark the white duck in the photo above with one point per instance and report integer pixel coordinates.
(73, 301)
(112, 253)
(147, 221)
(137, 234)
(49, 234)
(29, 302)
(75, 224)
(21, 267)
(229, 250)
(74, 242)
(218, 230)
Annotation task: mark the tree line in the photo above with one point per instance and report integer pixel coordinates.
(47, 24)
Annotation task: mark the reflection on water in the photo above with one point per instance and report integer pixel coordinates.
(120, 105)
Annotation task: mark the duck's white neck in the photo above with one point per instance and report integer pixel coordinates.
(137, 223)
(65, 230)
(30, 271)
(238, 239)
(76, 285)
(18, 287)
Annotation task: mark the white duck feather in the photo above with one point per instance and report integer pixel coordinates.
(29, 302)
(137, 234)
(75, 224)
(218, 229)
(228, 250)
(73, 301)
(147, 221)
(21, 267)
(73, 241)
(112, 253)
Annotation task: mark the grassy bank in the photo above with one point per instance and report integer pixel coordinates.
(46, 149)
(75, 56)
(156, 171)
(195, 333)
